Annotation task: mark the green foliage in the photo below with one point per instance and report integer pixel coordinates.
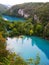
(37, 61)
(3, 51)
(13, 59)
(23, 28)
(31, 32)
(29, 27)
(38, 29)
(46, 31)
(32, 61)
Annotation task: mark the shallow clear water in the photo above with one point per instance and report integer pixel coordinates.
(10, 18)
(29, 47)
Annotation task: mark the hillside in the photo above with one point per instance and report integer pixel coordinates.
(25, 9)
(28, 10)
(43, 12)
(3, 8)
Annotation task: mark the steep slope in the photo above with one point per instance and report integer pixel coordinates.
(25, 9)
(43, 12)
(3, 8)
(38, 10)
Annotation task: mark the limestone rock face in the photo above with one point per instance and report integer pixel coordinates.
(22, 13)
(26, 15)
(36, 18)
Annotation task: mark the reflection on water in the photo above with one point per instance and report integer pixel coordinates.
(28, 47)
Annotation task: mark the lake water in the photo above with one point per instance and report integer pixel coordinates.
(29, 47)
(11, 18)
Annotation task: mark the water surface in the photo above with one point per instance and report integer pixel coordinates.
(12, 18)
(29, 47)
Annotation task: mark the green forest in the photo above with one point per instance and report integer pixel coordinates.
(31, 27)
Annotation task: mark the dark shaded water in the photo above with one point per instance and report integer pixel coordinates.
(29, 47)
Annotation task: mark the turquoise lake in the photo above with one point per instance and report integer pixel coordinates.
(28, 47)
(12, 18)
